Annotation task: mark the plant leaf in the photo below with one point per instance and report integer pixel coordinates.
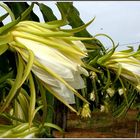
(19, 7)
(44, 101)
(53, 126)
(27, 12)
(15, 86)
(46, 12)
(74, 19)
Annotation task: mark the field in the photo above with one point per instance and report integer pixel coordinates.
(101, 125)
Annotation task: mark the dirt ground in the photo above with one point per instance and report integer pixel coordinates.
(101, 126)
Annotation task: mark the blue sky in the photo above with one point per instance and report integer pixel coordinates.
(118, 19)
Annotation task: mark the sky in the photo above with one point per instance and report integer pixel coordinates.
(118, 19)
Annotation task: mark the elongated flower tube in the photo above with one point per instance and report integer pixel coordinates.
(58, 55)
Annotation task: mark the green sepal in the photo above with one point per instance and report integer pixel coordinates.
(6, 38)
(3, 17)
(8, 10)
(78, 29)
(3, 48)
(20, 7)
(9, 26)
(15, 86)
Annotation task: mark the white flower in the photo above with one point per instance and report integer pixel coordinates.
(92, 96)
(138, 87)
(86, 112)
(110, 91)
(127, 63)
(121, 91)
(60, 57)
(32, 135)
(102, 108)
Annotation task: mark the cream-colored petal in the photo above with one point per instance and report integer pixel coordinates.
(56, 85)
(46, 53)
(66, 68)
(80, 45)
(65, 93)
(132, 68)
